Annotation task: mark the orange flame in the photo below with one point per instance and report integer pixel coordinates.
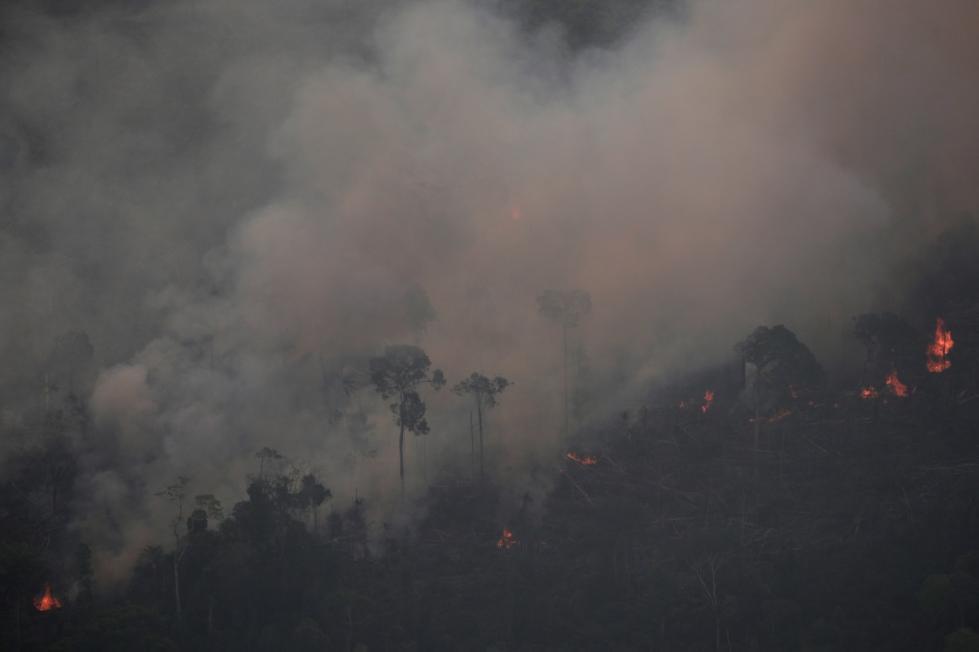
(939, 348)
(781, 414)
(868, 393)
(778, 416)
(899, 388)
(584, 460)
(507, 540)
(708, 399)
(47, 602)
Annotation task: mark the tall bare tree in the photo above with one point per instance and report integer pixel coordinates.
(484, 392)
(400, 372)
(566, 308)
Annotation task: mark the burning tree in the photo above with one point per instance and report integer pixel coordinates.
(939, 348)
(399, 373)
(484, 392)
(566, 308)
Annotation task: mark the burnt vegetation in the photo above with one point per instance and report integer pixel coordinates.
(763, 504)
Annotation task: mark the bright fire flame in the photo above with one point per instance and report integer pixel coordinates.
(507, 540)
(47, 602)
(899, 388)
(868, 393)
(584, 460)
(708, 399)
(939, 348)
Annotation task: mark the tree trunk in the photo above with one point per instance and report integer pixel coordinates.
(176, 581)
(479, 412)
(350, 628)
(757, 427)
(472, 445)
(717, 631)
(564, 357)
(401, 443)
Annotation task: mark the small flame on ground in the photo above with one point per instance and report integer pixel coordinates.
(778, 416)
(584, 460)
(47, 602)
(939, 348)
(897, 387)
(781, 414)
(708, 400)
(868, 393)
(507, 540)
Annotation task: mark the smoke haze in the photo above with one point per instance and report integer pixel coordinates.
(240, 202)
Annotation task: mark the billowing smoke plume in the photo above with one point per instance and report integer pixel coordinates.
(239, 202)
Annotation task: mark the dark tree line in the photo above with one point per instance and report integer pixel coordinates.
(795, 512)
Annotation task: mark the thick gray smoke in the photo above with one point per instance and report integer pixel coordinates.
(239, 202)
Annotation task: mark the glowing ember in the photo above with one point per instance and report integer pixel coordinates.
(584, 460)
(868, 393)
(781, 414)
(507, 540)
(708, 399)
(778, 416)
(939, 348)
(516, 213)
(47, 602)
(899, 388)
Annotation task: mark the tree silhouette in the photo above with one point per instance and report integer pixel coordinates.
(781, 362)
(399, 373)
(566, 308)
(175, 494)
(266, 454)
(484, 392)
